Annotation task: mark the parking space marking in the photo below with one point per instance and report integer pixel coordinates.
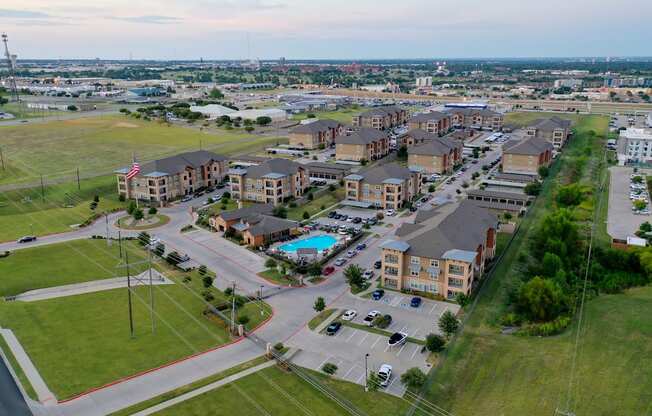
(323, 362)
(376, 342)
(433, 308)
(415, 333)
(349, 372)
(401, 350)
(416, 349)
(363, 338)
(360, 378)
(352, 335)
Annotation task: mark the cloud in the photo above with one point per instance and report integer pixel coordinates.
(22, 14)
(149, 19)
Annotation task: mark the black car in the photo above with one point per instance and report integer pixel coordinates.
(378, 264)
(27, 239)
(333, 328)
(220, 186)
(210, 189)
(332, 214)
(413, 209)
(357, 220)
(377, 294)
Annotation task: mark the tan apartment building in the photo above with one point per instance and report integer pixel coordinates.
(362, 144)
(173, 177)
(255, 224)
(438, 155)
(554, 129)
(272, 182)
(387, 186)
(476, 118)
(434, 122)
(527, 156)
(381, 118)
(315, 135)
(416, 136)
(443, 253)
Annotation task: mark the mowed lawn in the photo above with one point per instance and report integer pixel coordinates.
(101, 144)
(326, 200)
(521, 119)
(64, 263)
(27, 211)
(344, 115)
(282, 393)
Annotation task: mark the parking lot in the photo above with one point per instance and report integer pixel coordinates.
(622, 221)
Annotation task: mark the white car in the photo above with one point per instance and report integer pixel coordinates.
(390, 212)
(351, 253)
(385, 374)
(349, 315)
(369, 319)
(368, 274)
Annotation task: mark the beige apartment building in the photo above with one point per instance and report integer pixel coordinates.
(555, 130)
(387, 186)
(173, 177)
(362, 144)
(443, 253)
(527, 156)
(381, 118)
(438, 155)
(434, 122)
(320, 133)
(476, 118)
(272, 182)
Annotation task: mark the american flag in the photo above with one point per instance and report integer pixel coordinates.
(135, 170)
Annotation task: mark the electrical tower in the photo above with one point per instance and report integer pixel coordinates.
(11, 66)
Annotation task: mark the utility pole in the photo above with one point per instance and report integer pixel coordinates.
(366, 373)
(106, 220)
(78, 183)
(151, 287)
(131, 318)
(233, 310)
(120, 243)
(2, 159)
(42, 189)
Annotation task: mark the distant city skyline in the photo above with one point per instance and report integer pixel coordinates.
(332, 29)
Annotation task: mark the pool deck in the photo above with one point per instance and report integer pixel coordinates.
(292, 254)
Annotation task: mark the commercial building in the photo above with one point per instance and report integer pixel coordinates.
(332, 172)
(381, 118)
(173, 177)
(363, 144)
(475, 118)
(571, 83)
(213, 111)
(554, 129)
(433, 122)
(271, 182)
(387, 186)
(422, 82)
(527, 156)
(635, 146)
(320, 133)
(255, 224)
(443, 253)
(500, 201)
(438, 155)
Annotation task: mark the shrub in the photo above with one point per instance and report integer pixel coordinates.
(329, 368)
(413, 378)
(292, 204)
(278, 346)
(306, 215)
(331, 187)
(533, 188)
(243, 320)
(432, 188)
(138, 214)
(382, 321)
(207, 295)
(435, 343)
(448, 323)
(173, 258)
(96, 198)
(143, 238)
(280, 212)
(547, 329)
(541, 299)
(226, 195)
(159, 250)
(131, 207)
(320, 304)
(152, 211)
(310, 196)
(462, 299)
(510, 319)
(207, 281)
(270, 263)
(228, 291)
(122, 198)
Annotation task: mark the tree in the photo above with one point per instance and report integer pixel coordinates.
(329, 368)
(270, 263)
(319, 305)
(207, 281)
(249, 129)
(226, 195)
(138, 214)
(640, 205)
(310, 115)
(551, 264)
(3, 101)
(280, 212)
(353, 274)
(202, 270)
(310, 196)
(570, 195)
(413, 378)
(476, 153)
(152, 211)
(263, 120)
(216, 93)
(306, 215)
(373, 382)
(541, 299)
(96, 198)
(543, 171)
(435, 342)
(532, 188)
(131, 207)
(314, 269)
(402, 153)
(462, 299)
(432, 188)
(448, 323)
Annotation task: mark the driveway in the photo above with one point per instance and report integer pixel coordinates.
(622, 222)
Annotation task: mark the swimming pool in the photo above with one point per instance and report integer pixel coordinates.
(320, 242)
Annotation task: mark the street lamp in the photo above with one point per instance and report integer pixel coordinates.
(366, 373)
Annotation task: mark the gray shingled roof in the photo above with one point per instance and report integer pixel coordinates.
(473, 111)
(379, 174)
(531, 146)
(550, 124)
(280, 166)
(382, 111)
(426, 117)
(176, 164)
(418, 134)
(265, 224)
(438, 146)
(364, 135)
(315, 126)
(245, 212)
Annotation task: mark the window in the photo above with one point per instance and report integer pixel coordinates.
(391, 258)
(414, 273)
(455, 269)
(391, 271)
(434, 263)
(415, 260)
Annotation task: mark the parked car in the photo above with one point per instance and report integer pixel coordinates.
(390, 212)
(186, 198)
(377, 294)
(349, 315)
(369, 319)
(220, 185)
(328, 270)
(357, 220)
(415, 302)
(333, 328)
(332, 214)
(361, 246)
(397, 338)
(27, 239)
(368, 274)
(351, 253)
(385, 374)
(378, 264)
(340, 262)
(211, 189)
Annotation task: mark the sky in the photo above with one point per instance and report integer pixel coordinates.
(325, 29)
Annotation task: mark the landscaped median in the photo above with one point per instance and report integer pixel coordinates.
(379, 331)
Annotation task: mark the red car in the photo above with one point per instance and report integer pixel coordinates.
(328, 270)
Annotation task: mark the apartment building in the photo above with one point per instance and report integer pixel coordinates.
(476, 118)
(527, 156)
(255, 224)
(272, 182)
(363, 144)
(635, 146)
(173, 177)
(433, 122)
(315, 135)
(438, 155)
(381, 118)
(554, 129)
(444, 252)
(387, 186)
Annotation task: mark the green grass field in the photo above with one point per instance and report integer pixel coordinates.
(326, 200)
(281, 393)
(489, 373)
(80, 342)
(99, 145)
(524, 118)
(20, 111)
(344, 115)
(25, 211)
